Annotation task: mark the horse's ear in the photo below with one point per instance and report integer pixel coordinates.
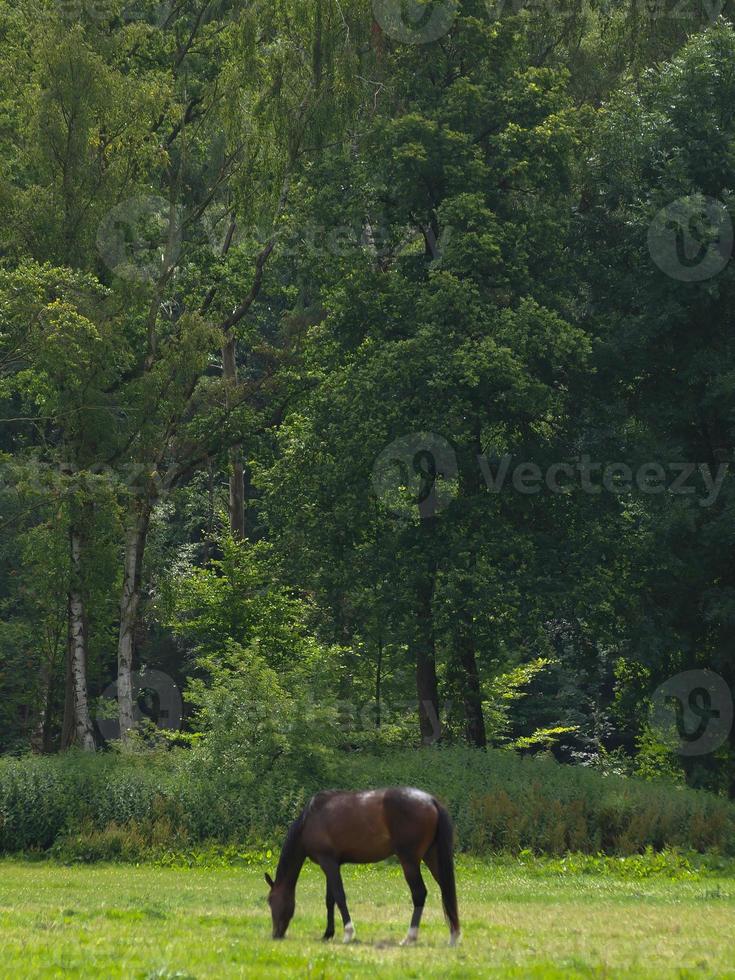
(268, 880)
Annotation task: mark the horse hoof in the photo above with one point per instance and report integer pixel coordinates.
(349, 933)
(455, 938)
(327, 936)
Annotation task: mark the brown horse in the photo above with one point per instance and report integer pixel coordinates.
(337, 828)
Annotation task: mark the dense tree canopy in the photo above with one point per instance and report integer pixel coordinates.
(377, 362)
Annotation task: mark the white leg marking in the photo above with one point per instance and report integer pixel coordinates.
(454, 938)
(411, 937)
(349, 933)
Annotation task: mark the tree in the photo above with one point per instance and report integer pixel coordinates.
(661, 297)
(206, 111)
(461, 334)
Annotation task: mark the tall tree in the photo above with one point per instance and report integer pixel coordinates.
(661, 306)
(459, 335)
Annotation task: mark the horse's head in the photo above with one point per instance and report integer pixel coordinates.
(282, 900)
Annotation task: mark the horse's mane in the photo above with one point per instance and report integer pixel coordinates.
(293, 835)
(289, 845)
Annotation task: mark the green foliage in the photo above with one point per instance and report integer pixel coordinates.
(501, 802)
(167, 805)
(388, 240)
(668, 864)
(657, 757)
(503, 691)
(263, 691)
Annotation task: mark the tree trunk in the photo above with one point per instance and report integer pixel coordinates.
(237, 493)
(464, 637)
(379, 682)
(425, 657)
(83, 731)
(39, 735)
(237, 470)
(472, 696)
(129, 609)
(68, 724)
(209, 534)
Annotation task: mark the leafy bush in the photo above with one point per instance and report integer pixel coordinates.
(43, 797)
(502, 802)
(265, 725)
(126, 807)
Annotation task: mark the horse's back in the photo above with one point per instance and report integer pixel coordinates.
(370, 825)
(412, 818)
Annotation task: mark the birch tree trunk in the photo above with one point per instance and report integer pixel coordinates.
(129, 607)
(77, 651)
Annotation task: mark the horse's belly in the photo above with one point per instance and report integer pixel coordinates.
(367, 852)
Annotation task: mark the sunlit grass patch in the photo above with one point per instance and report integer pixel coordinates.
(121, 921)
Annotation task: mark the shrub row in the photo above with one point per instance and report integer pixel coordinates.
(125, 807)
(504, 803)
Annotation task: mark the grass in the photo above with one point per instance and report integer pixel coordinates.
(150, 922)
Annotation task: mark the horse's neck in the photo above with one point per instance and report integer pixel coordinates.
(290, 865)
(290, 875)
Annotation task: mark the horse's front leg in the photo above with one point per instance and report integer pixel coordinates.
(330, 867)
(412, 872)
(330, 913)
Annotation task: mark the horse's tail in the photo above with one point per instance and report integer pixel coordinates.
(444, 843)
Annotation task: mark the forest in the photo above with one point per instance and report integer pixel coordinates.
(367, 381)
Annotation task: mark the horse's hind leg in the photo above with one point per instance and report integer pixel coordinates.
(412, 871)
(330, 867)
(330, 913)
(431, 860)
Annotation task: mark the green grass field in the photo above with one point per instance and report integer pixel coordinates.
(145, 922)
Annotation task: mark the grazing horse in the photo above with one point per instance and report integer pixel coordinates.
(337, 828)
